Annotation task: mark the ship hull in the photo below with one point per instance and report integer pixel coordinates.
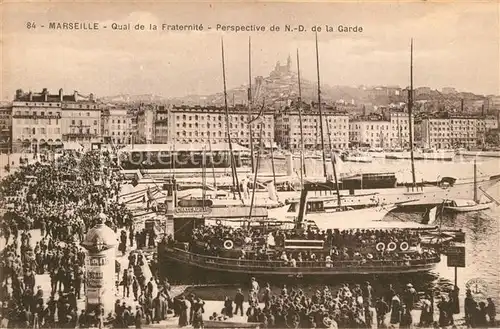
(266, 268)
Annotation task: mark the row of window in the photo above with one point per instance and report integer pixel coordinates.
(185, 117)
(242, 133)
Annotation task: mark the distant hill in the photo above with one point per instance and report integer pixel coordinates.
(125, 98)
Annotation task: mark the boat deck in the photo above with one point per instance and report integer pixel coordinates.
(308, 268)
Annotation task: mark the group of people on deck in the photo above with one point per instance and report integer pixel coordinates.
(349, 247)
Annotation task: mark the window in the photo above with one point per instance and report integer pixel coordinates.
(72, 122)
(95, 122)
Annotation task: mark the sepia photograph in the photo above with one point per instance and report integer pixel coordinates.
(249, 164)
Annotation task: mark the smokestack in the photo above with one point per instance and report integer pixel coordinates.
(91, 97)
(75, 94)
(30, 95)
(364, 110)
(61, 95)
(482, 110)
(462, 105)
(45, 94)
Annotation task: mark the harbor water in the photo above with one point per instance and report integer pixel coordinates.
(482, 231)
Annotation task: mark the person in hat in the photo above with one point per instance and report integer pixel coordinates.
(198, 308)
(409, 296)
(138, 317)
(238, 301)
(184, 309)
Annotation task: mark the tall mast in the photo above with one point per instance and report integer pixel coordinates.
(212, 161)
(250, 100)
(233, 168)
(299, 107)
(410, 108)
(319, 108)
(475, 182)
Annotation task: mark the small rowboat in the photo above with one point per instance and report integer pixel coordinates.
(468, 206)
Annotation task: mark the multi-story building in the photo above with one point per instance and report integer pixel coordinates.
(400, 129)
(373, 132)
(36, 120)
(463, 131)
(188, 124)
(81, 119)
(436, 133)
(161, 129)
(485, 124)
(451, 131)
(40, 120)
(5, 128)
(145, 124)
(288, 132)
(116, 126)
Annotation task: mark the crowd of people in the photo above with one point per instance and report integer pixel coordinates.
(339, 247)
(62, 197)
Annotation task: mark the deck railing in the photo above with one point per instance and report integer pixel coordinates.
(304, 266)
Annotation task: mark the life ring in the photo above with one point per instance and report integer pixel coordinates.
(391, 246)
(228, 244)
(218, 222)
(404, 246)
(380, 246)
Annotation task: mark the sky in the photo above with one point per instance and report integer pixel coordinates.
(455, 45)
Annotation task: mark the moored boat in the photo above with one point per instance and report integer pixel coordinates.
(461, 205)
(352, 156)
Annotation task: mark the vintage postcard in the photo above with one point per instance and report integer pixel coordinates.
(249, 164)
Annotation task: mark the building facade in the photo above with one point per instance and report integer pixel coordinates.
(81, 119)
(161, 126)
(116, 126)
(41, 120)
(288, 130)
(373, 133)
(145, 124)
(400, 129)
(36, 120)
(5, 128)
(199, 124)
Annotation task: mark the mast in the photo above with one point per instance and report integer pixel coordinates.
(203, 178)
(410, 108)
(212, 161)
(250, 100)
(272, 159)
(319, 108)
(255, 177)
(299, 107)
(233, 168)
(475, 181)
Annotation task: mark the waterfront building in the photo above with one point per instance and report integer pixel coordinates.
(161, 129)
(400, 129)
(81, 119)
(199, 124)
(41, 120)
(436, 133)
(370, 131)
(116, 126)
(5, 128)
(335, 127)
(145, 124)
